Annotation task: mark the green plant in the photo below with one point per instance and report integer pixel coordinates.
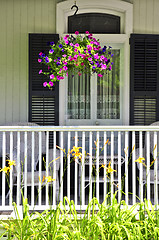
(76, 54)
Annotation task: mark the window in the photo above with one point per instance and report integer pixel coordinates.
(100, 95)
(86, 100)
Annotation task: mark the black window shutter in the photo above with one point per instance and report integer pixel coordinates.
(43, 102)
(144, 79)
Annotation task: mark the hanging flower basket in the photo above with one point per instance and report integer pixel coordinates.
(76, 54)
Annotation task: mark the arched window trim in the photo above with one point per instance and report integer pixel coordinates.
(119, 8)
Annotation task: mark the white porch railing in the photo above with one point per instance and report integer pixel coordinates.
(78, 179)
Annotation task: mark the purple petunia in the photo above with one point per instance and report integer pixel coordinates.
(43, 55)
(46, 59)
(51, 84)
(65, 68)
(51, 51)
(45, 84)
(100, 75)
(103, 66)
(60, 45)
(52, 76)
(52, 43)
(96, 56)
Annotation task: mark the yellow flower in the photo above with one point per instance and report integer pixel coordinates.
(49, 179)
(42, 179)
(11, 163)
(5, 169)
(75, 152)
(140, 160)
(108, 169)
(133, 148)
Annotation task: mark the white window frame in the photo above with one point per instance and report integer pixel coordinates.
(116, 7)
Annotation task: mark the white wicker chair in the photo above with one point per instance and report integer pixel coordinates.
(29, 155)
(144, 150)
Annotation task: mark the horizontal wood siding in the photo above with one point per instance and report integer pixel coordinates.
(17, 19)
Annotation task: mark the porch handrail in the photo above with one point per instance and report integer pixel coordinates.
(79, 128)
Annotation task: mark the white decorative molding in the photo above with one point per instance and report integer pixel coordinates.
(116, 7)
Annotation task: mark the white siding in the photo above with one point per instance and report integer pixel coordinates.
(20, 17)
(17, 19)
(146, 14)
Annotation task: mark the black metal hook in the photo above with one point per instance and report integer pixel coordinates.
(75, 6)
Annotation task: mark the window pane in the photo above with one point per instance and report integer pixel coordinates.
(108, 91)
(78, 97)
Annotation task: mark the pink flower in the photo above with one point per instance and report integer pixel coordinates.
(45, 84)
(89, 47)
(65, 68)
(64, 55)
(65, 63)
(67, 42)
(75, 50)
(76, 45)
(39, 60)
(51, 84)
(100, 75)
(96, 56)
(110, 67)
(76, 32)
(89, 59)
(40, 53)
(48, 67)
(87, 32)
(79, 74)
(67, 74)
(65, 38)
(82, 64)
(102, 57)
(103, 66)
(52, 76)
(67, 35)
(40, 71)
(71, 44)
(76, 64)
(54, 60)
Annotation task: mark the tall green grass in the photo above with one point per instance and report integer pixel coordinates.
(111, 221)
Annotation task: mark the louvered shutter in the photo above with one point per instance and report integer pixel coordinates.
(43, 102)
(144, 79)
